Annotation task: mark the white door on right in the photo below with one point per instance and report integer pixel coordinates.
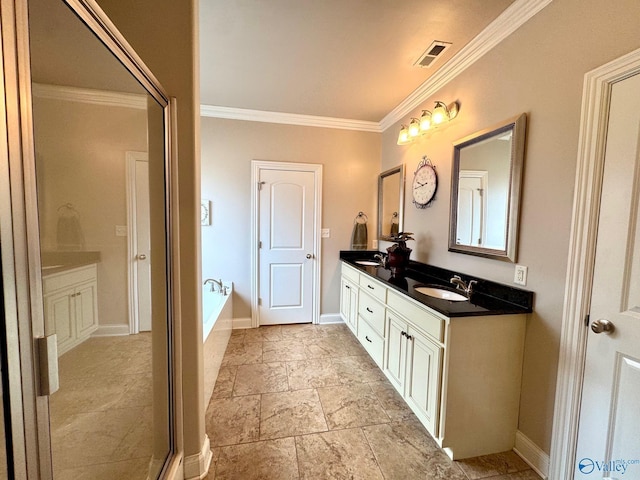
(471, 208)
(609, 429)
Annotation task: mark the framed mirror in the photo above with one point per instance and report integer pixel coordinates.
(485, 191)
(390, 202)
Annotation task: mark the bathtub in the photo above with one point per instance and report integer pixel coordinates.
(217, 318)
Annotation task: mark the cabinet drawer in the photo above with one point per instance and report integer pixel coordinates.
(350, 273)
(372, 342)
(417, 315)
(373, 288)
(372, 311)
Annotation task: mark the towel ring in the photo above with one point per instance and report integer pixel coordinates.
(361, 218)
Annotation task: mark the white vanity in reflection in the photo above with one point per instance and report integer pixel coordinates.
(460, 375)
(70, 304)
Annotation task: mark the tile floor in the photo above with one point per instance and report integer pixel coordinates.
(307, 402)
(101, 419)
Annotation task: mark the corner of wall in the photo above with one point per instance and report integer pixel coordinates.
(197, 466)
(531, 453)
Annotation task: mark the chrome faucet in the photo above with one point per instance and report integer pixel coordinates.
(382, 258)
(462, 285)
(221, 287)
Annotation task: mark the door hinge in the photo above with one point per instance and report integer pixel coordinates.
(259, 301)
(586, 320)
(259, 244)
(48, 363)
(260, 185)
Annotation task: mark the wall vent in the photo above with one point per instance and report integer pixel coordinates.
(431, 54)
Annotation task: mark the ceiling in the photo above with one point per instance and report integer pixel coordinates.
(350, 59)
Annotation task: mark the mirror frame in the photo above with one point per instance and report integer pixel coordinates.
(392, 171)
(518, 126)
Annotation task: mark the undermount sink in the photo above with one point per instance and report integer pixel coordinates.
(368, 263)
(441, 293)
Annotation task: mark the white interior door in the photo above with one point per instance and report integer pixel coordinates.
(139, 243)
(609, 430)
(287, 253)
(471, 206)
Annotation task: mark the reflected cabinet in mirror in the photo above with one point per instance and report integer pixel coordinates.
(485, 191)
(390, 202)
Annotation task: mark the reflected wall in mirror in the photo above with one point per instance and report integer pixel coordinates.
(390, 202)
(485, 191)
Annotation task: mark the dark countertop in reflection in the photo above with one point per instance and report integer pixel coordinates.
(488, 298)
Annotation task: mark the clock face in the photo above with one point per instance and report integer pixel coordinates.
(425, 183)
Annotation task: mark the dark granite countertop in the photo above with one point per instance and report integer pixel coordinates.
(488, 298)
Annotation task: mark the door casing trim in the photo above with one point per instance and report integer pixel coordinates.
(582, 247)
(256, 166)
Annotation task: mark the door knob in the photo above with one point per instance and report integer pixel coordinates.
(309, 256)
(602, 326)
(142, 256)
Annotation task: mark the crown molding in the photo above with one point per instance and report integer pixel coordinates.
(231, 113)
(508, 22)
(86, 95)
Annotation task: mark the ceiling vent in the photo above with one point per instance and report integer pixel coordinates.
(432, 54)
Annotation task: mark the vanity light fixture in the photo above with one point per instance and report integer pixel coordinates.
(403, 137)
(441, 113)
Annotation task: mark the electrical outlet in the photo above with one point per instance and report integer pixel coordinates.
(121, 230)
(375, 244)
(520, 276)
(326, 233)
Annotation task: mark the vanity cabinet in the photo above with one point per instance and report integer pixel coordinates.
(460, 375)
(349, 299)
(71, 305)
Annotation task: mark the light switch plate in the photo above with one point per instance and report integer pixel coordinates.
(520, 276)
(326, 233)
(121, 230)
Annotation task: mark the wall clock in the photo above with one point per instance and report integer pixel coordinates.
(425, 183)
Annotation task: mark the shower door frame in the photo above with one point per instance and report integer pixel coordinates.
(27, 406)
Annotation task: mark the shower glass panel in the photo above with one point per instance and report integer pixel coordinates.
(101, 173)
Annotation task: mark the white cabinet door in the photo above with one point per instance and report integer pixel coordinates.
(423, 379)
(60, 313)
(349, 304)
(396, 358)
(86, 309)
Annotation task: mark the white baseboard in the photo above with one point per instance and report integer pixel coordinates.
(327, 318)
(112, 330)
(241, 323)
(197, 466)
(531, 453)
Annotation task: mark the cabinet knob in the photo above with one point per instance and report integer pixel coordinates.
(368, 339)
(369, 310)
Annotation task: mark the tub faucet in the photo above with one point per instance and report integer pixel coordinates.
(221, 288)
(462, 285)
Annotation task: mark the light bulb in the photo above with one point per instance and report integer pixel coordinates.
(414, 128)
(440, 113)
(403, 137)
(425, 121)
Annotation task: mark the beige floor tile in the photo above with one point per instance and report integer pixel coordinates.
(283, 351)
(340, 454)
(225, 381)
(492, 465)
(524, 475)
(392, 402)
(242, 353)
(314, 373)
(287, 414)
(406, 451)
(271, 333)
(358, 369)
(233, 420)
(261, 378)
(266, 460)
(351, 406)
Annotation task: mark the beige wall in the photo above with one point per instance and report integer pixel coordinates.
(164, 34)
(351, 163)
(81, 159)
(538, 70)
